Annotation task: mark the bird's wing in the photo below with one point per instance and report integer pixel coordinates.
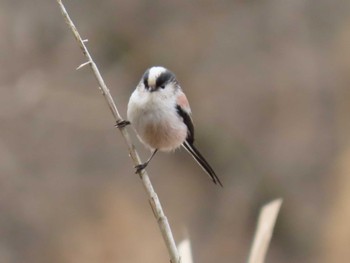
(184, 111)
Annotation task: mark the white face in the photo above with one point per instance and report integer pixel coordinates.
(158, 79)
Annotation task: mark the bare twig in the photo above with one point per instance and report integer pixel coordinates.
(263, 233)
(152, 196)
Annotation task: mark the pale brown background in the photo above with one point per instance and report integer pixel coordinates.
(268, 83)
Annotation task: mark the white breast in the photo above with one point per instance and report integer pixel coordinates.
(155, 119)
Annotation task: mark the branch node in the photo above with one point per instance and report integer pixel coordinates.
(122, 124)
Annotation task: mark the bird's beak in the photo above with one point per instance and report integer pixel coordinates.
(152, 88)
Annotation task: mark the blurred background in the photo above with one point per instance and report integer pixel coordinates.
(268, 82)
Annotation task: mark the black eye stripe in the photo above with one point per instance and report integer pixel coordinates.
(145, 78)
(163, 78)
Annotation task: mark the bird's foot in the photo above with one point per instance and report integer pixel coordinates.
(140, 167)
(122, 123)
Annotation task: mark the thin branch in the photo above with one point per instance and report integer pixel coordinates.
(263, 233)
(152, 196)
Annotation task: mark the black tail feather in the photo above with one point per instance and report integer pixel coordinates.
(202, 162)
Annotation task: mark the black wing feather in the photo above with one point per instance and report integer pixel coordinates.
(189, 146)
(188, 121)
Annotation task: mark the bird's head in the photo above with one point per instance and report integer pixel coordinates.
(158, 78)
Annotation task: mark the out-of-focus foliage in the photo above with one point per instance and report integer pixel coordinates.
(268, 83)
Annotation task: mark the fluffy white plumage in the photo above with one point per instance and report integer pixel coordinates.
(160, 113)
(154, 114)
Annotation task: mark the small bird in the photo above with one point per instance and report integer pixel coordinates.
(161, 116)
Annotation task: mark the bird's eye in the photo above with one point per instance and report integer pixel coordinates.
(162, 86)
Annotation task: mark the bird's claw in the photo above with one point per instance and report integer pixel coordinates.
(122, 123)
(140, 167)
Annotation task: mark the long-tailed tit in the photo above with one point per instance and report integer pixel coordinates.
(160, 113)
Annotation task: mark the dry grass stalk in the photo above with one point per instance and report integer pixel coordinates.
(185, 251)
(263, 233)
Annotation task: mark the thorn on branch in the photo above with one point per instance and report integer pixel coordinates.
(83, 65)
(100, 89)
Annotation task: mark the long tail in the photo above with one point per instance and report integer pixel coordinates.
(202, 162)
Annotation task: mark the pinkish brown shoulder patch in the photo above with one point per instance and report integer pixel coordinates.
(183, 102)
